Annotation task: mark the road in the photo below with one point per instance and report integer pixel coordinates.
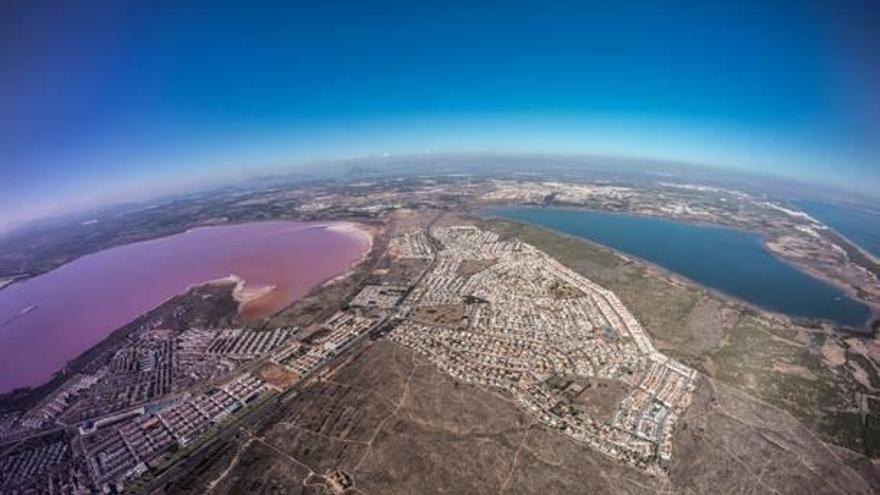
(253, 416)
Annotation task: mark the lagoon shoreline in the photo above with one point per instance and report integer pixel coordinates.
(300, 270)
(872, 318)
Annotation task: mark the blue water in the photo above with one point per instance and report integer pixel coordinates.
(860, 226)
(729, 260)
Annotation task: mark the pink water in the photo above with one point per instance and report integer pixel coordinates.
(77, 305)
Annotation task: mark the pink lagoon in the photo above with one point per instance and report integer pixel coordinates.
(50, 319)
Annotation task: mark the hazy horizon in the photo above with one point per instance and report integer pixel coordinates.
(102, 101)
(459, 162)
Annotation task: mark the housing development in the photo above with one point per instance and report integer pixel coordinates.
(448, 319)
(134, 405)
(488, 311)
(502, 313)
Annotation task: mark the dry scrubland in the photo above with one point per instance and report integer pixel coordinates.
(393, 424)
(784, 364)
(390, 422)
(780, 407)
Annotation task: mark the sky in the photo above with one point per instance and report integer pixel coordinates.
(102, 101)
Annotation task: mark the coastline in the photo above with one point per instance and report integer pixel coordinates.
(871, 256)
(10, 280)
(65, 372)
(849, 290)
(674, 277)
(766, 240)
(249, 299)
(246, 297)
(241, 293)
(357, 230)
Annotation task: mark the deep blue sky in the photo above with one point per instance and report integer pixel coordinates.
(101, 100)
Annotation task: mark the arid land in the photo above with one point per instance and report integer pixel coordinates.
(788, 233)
(389, 421)
(399, 377)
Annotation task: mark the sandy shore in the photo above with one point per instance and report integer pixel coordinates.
(358, 231)
(354, 230)
(261, 301)
(243, 294)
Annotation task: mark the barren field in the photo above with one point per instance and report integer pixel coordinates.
(451, 315)
(764, 355)
(781, 409)
(394, 425)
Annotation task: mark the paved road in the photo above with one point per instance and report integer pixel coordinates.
(253, 416)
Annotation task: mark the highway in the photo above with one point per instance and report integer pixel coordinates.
(252, 417)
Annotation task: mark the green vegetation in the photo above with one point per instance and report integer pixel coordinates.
(789, 376)
(725, 340)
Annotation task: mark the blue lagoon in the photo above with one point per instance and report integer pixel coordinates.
(731, 261)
